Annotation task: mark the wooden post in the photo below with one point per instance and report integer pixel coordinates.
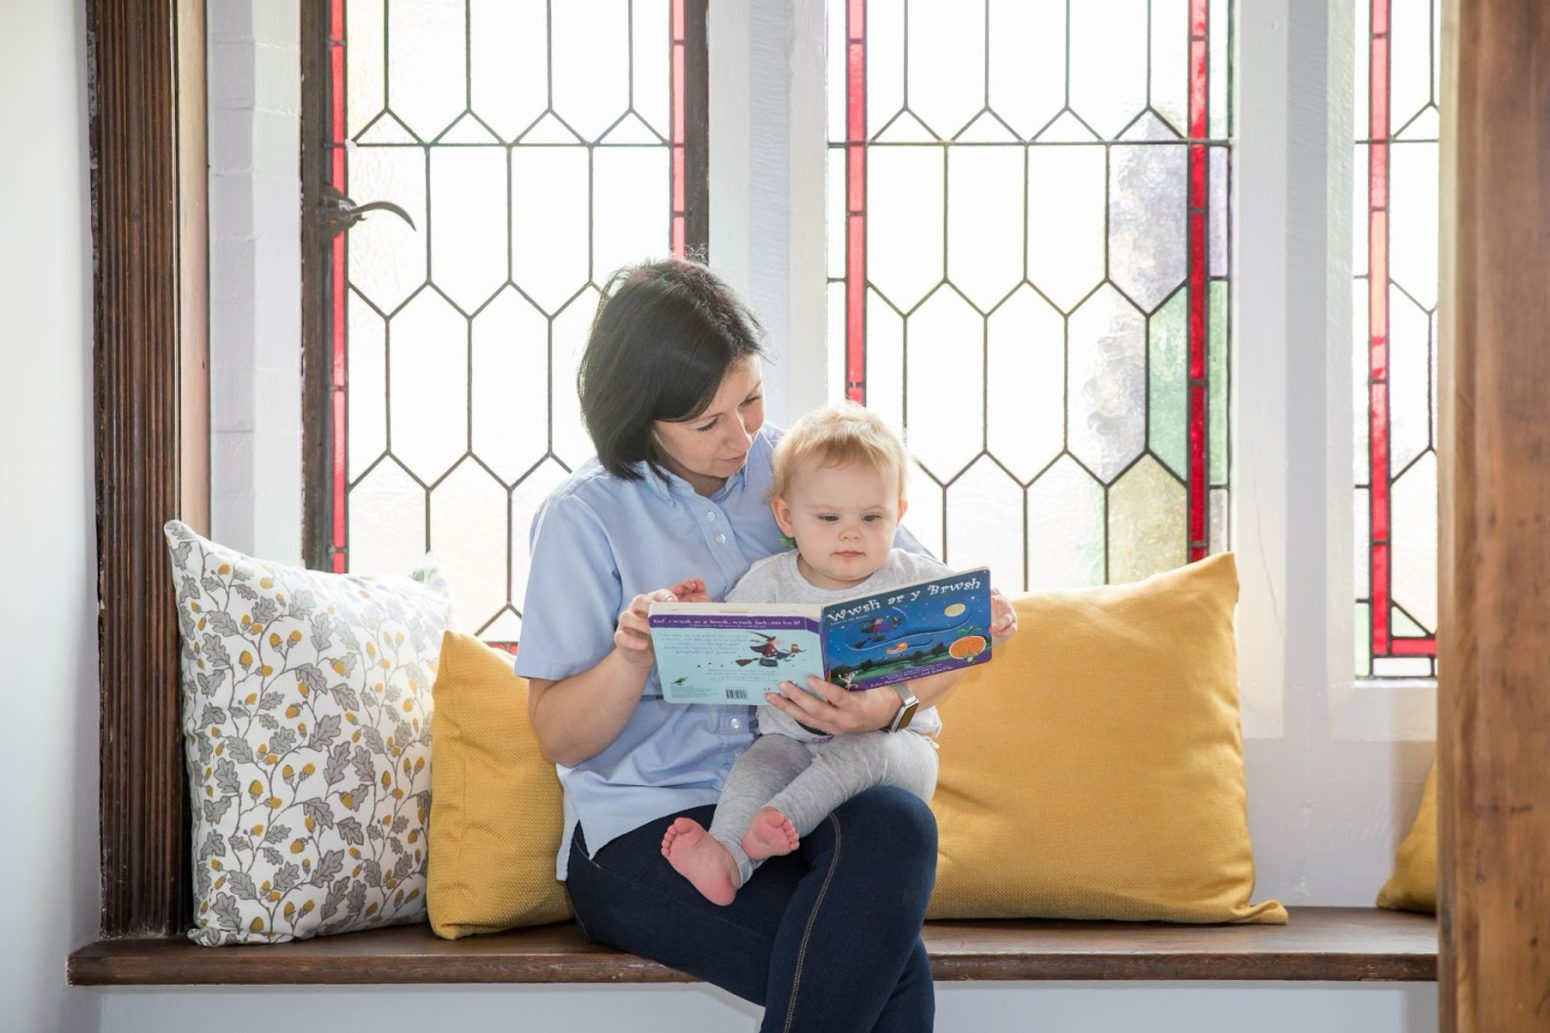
(1494, 397)
(152, 430)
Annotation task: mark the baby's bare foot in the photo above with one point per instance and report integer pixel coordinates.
(771, 834)
(704, 862)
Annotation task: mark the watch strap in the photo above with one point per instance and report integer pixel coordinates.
(908, 704)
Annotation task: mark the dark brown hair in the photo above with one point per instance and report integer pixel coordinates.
(665, 336)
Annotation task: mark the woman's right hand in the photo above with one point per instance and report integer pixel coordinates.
(632, 636)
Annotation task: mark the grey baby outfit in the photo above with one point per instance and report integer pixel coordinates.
(805, 775)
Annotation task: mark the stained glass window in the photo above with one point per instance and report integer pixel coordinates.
(538, 147)
(1028, 271)
(1395, 320)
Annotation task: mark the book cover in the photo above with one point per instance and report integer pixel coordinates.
(732, 653)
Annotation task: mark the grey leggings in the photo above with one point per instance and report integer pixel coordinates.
(805, 781)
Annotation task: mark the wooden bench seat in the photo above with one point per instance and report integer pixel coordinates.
(1325, 944)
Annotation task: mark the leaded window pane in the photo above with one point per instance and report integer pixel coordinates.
(537, 147)
(1028, 256)
(1395, 347)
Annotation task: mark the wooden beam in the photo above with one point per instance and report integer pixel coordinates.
(1320, 944)
(149, 301)
(1494, 397)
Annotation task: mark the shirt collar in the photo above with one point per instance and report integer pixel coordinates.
(666, 484)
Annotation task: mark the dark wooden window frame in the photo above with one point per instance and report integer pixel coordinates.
(146, 81)
(316, 251)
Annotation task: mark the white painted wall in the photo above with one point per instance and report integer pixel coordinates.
(48, 631)
(254, 83)
(1032, 1007)
(1327, 804)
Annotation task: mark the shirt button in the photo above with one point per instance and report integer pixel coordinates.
(721, 539)
(710, 514)
(736, 723)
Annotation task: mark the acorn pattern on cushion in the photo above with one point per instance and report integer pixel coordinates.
(306, 702)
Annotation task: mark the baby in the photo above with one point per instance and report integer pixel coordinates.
(838, 490)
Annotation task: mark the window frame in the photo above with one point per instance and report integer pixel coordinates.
(146, 78)
(148, 217)
(316, 250)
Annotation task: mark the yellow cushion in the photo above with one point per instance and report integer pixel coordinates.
(495, 801)
(1094, 768)
(1413, 886)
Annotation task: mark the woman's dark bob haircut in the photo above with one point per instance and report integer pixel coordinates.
(665, 337)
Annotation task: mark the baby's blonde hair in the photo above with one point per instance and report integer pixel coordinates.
(838, 435)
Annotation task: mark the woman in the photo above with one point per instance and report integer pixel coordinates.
(827, 938)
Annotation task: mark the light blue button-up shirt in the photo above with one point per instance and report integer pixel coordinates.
(598, 542)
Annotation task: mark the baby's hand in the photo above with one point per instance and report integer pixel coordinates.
(690, 590)
(1003, 619)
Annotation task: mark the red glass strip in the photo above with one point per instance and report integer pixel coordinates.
(855, 201)
(1413, 647)
(679, 119)
(339, 484)
(1380, 600)
(1199, 95)
(855, 178)
(1378, 92)
(339, 400)
(1197, 89)
(1378, 176)
(678, 224)
(855, 93)
(1378, 416)
(678, 181)
(1378, 428)
(1378, 295)
(1197, 297)
(1198, 540)
(1197, 178)
(855, 308)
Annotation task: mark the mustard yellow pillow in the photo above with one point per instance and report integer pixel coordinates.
(1413, 886)
(1094, 768)
(495, 802)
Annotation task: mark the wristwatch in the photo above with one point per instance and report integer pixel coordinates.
(908, 704)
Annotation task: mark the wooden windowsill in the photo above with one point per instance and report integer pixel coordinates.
(1324, 944)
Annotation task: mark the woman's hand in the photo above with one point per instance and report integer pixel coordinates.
(632, 635)
(839, 711)
(1003, 619)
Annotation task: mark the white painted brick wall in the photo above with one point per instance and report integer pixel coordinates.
(255, 276)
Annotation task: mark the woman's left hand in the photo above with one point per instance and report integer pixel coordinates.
(1003, 619)
(839, 711)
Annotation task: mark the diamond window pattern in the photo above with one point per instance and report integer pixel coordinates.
(1028, 237)
(538, 146)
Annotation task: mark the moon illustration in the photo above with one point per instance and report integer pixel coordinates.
(954, 610)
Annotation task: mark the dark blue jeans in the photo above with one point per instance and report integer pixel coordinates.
(826, 938)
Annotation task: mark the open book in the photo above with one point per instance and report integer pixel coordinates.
(734, 653)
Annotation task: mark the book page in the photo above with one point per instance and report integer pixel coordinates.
(721, 656)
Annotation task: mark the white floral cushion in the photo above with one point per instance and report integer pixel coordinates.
(306, 723)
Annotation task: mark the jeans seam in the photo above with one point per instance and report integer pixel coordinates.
(812, 918)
